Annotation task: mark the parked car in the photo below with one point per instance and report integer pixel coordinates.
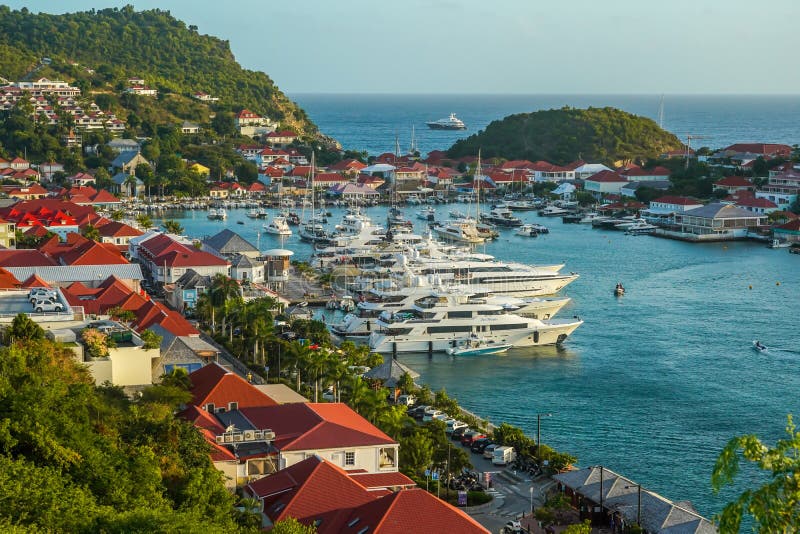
(419, 413)
(454, 425)
(459, 432)
(441, 417)
(469, 437)
(503, 455)
(479, 445)
(429, 415)
(512, 527)
(41, 293)
(488, 452)
(407, 400)
(47, 306)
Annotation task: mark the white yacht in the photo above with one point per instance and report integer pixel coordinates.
(426, 214)
(501, 216)
(552, 211)
(641, 228)
(590, 217)
(439, 321)
(278, 226)
(459, 231)
(450, 123)
(217, 214)
(358, 325)
(527, 230)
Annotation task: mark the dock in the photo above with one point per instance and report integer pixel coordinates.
(300, 288)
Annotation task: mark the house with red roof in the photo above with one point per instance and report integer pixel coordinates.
(331, 430)
(639, 174)
(117, 233)
(782, 188)
(350, 507)
(604, 183)
(350, 167)
(78, 250)
(370, 181)
(326, 180)
(81, 179)
(216, 389)
(256, 189)
(765, 150)
(544, 171)
(761, 206)
(733, 184)
(25, 192)
(168, 259)
(789, 231)
(25, 258)
(280, 138)
(8, 280)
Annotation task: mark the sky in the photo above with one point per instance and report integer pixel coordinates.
(500, 46)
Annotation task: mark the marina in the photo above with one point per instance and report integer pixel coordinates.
(639, 366)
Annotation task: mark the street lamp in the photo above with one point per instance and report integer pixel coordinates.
(531, 498)
(539, 435)
(638, 503)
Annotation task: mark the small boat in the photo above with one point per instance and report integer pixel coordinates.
(278, 226)
(239, 222)
(253, 214)
(619, 290)
(777, 243)
(217, 214)
(641, 228)
(759, 347)
(553, 211)
(426, 214)
(475, 346)
(527, 230)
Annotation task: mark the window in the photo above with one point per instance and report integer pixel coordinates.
(448, 329)
(210, 407)
(517, 326)
(349, 458)
(459, 314)
(233, 406)
(387, 458)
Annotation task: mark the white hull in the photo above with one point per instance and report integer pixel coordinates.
(545, 334)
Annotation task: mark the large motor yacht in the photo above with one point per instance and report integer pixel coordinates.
(450, 123)
(441, 320)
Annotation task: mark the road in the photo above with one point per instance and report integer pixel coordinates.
(511, 491)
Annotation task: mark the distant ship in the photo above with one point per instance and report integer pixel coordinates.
(452, 123)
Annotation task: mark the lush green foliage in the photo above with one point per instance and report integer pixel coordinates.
(78, 458)
(773, 507)
(292, 526)
(122, 43)
(563, 135)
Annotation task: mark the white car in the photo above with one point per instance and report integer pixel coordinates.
(42, 294)
(430, 416)
(47, 306)
(455, 425)
(513, 527)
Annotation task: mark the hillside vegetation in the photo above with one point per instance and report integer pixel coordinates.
(153, 45)
(606, 135)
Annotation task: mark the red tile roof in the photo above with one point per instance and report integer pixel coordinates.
(374, 481)
(606, 177)
(214, 384)
(312, 426)
(347, 165)
(8, 280)
(24, 258)
(734, 181)
(189, 258)
(411, 510)
(118, 229)
(34, 281)
(310, 490)
(793, 225)
(765, 149)
(330, 177)
(754, 202)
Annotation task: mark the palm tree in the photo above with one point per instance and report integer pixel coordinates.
(172, 226)
(144, 221)
(393, 421)
(91, 232)
(117, 215)
(299, 355)
(131, 182)
(315, 368)
(205, 309)
(226, 297)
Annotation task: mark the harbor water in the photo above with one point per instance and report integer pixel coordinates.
(654, 383)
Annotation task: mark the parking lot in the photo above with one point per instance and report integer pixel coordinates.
(14, 302)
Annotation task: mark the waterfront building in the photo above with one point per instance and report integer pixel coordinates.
(758, 205)
(228, 244)
(733, 184)
(603, 496)
(167, 259)
(604, 183)
(639, 174)
(789, 231)
(663, 209)
(717, 221)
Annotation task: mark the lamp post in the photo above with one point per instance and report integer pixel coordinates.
(638, 503)
(531, 498)
(539, 435)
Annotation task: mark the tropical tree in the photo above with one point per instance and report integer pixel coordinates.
(90, 231)
(144, 221)
(290, 525)
(394, 420)
(406, 383)
(172, 226)
(23, 328)
(226, 297)
(117, 215)
(298, 355)
(775, 506)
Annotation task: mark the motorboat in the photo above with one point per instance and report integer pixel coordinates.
(217, 214)
(396, 218)
(759, 347)
(475, 346)
(522, 205)
(553, 211)
(459, 231)
(501, 216)
(253, 214)
(426, 214)
(314, 233)
(777, 243)
(278, 226)
(413, 199)
(628, 223)
(450, 123)
(527, 230)
(641, 228)
(589, 218)
(456, 214)
(619, 290)
(438, 320)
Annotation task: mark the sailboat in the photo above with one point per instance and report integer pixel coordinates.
(312, 231)
(465, 230)
(280, 223)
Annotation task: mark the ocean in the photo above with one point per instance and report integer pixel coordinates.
(653, 384)
(371, 122)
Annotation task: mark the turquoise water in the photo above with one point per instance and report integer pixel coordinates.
(654, 383)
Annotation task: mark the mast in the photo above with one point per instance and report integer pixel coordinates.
(479, 179)
(661, 112)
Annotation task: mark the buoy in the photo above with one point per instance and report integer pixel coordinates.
(777, 283)
(751, 287)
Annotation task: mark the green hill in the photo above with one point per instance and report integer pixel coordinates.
(153, 45)
(562, 135)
